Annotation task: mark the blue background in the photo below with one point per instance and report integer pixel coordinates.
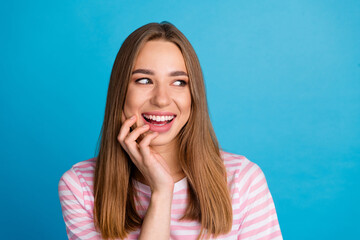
(283, 86)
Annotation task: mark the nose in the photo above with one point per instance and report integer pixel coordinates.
(161, 96)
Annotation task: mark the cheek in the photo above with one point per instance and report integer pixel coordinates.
(134, 101)
(130, 105)
(188, 101)
(186, 104)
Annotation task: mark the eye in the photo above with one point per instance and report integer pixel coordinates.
(180, 83)
(143, 81)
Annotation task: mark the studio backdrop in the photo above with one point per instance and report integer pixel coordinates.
(283, 86)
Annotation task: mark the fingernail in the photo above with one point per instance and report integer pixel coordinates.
(145, 126)
(133, 117)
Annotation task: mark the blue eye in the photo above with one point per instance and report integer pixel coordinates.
(143, 81)
(180, 83)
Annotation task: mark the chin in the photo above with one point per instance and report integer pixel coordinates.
(160, 141)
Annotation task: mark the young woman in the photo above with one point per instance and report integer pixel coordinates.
(160, 173)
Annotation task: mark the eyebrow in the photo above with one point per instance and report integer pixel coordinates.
(150, 72)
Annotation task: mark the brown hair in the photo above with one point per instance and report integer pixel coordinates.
(115, 213)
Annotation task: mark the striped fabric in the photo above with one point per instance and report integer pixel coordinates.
(254, 215)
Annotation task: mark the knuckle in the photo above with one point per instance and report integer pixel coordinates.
(127, 141)
(128, 121)
(143, 144)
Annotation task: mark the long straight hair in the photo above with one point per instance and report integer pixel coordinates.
(115, 213)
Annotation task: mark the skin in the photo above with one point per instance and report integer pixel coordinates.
(153, 153)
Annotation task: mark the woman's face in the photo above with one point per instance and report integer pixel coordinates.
(158, 92)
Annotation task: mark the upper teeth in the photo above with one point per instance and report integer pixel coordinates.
(159, 118)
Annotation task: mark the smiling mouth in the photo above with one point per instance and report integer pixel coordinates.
(158, 120)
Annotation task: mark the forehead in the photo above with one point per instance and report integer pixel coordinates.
(160, 55)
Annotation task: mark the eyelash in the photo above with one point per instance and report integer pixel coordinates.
(182, 82)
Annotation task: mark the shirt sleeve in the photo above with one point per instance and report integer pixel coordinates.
(79, 221)
(260, 219)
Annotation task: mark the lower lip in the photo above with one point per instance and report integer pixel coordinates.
(164, 128)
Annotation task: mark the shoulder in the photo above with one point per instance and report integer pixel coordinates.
(253, 207)
(77, 200)
(235, 162)
(84, 170)
(240, 169)
(79, 178)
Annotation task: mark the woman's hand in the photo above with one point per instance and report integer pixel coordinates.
(151, 165)
(156, 224)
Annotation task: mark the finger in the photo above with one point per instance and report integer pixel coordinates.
(144, 144)
(161, 161)
(125, 129)
(123, 119)
(130, 141)
(135, 134)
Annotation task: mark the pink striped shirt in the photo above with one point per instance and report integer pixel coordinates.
(254, 215)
